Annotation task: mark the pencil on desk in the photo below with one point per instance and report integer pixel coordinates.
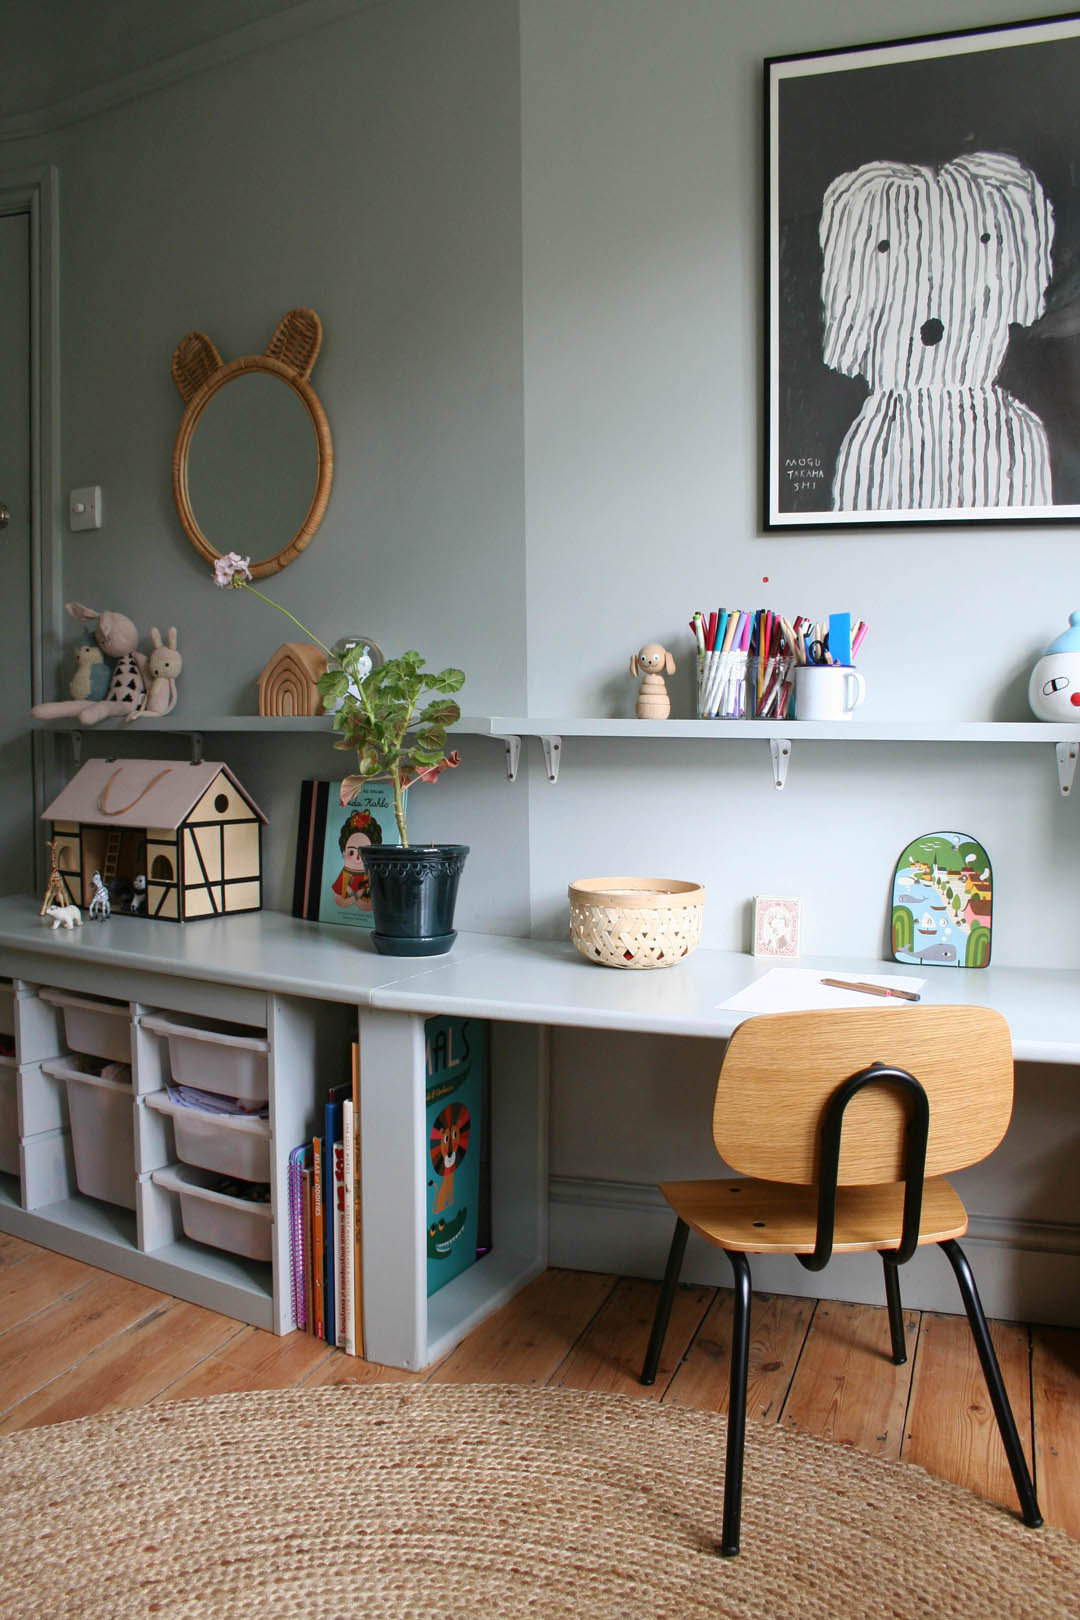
(872, 989)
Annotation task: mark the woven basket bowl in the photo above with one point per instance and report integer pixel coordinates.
(635, 922)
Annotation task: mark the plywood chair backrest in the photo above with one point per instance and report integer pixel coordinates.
(780, 1069)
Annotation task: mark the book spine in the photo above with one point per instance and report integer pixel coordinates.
(341, 1303)
(318, 1233)
(331, 1133)
(358, 1212)
(309, 1305)
(302, 871)
(320, 807)
(296, 1237)
(348, 1223)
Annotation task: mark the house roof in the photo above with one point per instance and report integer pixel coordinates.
(138, 792)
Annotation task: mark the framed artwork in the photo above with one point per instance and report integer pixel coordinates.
(923, 274)
(777, 925)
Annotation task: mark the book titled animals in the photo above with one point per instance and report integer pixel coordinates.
(456, 1069)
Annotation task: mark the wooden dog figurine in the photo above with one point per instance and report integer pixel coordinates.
(652, 662)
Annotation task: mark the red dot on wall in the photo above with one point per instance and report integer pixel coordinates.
(764, 579)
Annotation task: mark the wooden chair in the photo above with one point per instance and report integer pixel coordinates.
(841, 1126)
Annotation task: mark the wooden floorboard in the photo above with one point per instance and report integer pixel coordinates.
(951, 1429)
(778, 1326)
(847, 1387)
(1055, 1392)
(77, 1340)
(130, 1368)
(610, 1352)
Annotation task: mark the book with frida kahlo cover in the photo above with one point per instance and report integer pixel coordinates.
(330, 884)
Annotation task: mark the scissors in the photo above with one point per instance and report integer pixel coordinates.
(815, 653)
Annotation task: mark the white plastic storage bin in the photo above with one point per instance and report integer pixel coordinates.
(9, 1118)
(231, 1144)
(215, 1057)
(99, 1028)
(102, 1132)
(217, 1218)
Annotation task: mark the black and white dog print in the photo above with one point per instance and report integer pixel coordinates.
(924, 271)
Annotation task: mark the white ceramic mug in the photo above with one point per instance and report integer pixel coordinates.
(827, 691)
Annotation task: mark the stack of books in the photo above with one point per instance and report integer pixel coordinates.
(325, 1234)
(324, 1185)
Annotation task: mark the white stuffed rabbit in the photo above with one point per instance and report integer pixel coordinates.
(163, 667)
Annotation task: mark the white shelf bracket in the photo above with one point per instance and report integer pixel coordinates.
(780, 749)
(552, 752)
(1067, 753)
(513, 754)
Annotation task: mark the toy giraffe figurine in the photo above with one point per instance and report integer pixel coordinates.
(55, 892)
(653, 662)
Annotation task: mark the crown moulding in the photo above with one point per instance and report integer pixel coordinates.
(247, 40)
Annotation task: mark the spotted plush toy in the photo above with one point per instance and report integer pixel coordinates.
(118, 639)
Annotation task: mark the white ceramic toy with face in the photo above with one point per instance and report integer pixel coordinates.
(1054, 687)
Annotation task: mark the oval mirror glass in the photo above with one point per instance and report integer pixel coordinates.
(253, 465)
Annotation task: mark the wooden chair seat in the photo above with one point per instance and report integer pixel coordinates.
(770, 1217)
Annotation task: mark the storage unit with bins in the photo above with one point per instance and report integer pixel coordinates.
(257, 1005)
(120, 1174)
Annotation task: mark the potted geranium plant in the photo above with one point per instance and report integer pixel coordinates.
(388, 718)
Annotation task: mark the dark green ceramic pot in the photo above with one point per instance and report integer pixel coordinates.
(413, 894)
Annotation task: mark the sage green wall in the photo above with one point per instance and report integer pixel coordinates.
(643, 223)
(642, 206)
(369, 167)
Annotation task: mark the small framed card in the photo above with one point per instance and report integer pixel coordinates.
(777, 922)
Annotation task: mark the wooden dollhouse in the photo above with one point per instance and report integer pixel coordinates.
(169, 839)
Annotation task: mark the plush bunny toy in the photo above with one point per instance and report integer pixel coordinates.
(164, 666)
(118, 638)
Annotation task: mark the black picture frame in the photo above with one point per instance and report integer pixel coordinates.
(923, 281)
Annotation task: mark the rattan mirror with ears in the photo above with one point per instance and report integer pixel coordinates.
(258, 471)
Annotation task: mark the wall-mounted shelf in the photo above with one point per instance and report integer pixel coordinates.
(509, 729)
(194, 728)
(780, 735)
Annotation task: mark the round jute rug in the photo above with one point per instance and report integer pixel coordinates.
(485, 1502)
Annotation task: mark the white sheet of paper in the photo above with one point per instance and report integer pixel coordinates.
(801, 990)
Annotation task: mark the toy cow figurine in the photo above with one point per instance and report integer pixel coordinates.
(652, 662)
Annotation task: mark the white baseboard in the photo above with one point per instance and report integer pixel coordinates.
(1026, 1271)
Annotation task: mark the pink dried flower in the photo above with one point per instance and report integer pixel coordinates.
(232, 569)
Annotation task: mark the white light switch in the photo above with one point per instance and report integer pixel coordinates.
(84, 507)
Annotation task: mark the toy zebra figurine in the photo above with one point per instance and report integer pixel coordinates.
(99, 904)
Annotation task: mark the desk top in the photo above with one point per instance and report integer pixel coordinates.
(547, 982)
(496, 976)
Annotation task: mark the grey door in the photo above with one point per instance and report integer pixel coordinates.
(16, 777)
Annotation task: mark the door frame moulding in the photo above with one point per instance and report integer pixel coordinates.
(35, 193)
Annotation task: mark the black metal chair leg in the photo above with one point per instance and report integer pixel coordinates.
(999, 1399)
(896, 1314)
(664, 1303)
(736, 1432)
